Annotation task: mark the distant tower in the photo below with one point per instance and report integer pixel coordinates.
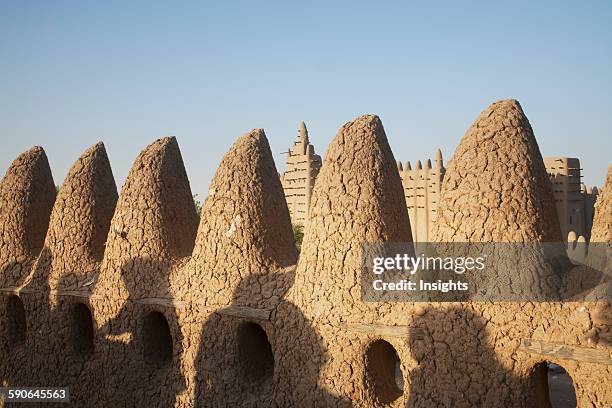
(422, 187)
(575, 202)
(299, 177)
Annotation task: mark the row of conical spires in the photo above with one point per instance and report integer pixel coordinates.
(154, 217)
(28, 194)
(244, 230)
(157, 185)
(438, 163)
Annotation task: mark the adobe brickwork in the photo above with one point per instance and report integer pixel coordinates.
(130, 300)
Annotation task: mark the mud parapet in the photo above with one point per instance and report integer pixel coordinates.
(129, 301)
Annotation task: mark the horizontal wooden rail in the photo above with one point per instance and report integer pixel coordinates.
(245, 312)
(17, 290)
(231, 310)
(168, 302)
(385, 330)
(566, 352)
(76, 293)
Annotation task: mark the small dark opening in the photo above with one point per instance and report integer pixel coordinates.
(383, 369)
(16, 325)
(82, 330)
(157, 340)
(553, 386)
(255, 353)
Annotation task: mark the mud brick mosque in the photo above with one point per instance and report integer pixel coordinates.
(130, 300)
(422, 185)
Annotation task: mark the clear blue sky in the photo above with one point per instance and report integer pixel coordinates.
(73, 73)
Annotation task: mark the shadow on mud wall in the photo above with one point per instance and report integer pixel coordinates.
(5, 347)
(59, 333)
(67, 335)
(235, 363)
(24, 326)
(136, 359)
(259, 362)
(457, 366)
(302, 355)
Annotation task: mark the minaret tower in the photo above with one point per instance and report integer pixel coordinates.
(299, 177)
(303, 137)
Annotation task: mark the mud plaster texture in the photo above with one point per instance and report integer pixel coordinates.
(496, 189)
(223, 314)
(27, 193)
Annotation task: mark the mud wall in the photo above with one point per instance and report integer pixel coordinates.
(129, 300)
